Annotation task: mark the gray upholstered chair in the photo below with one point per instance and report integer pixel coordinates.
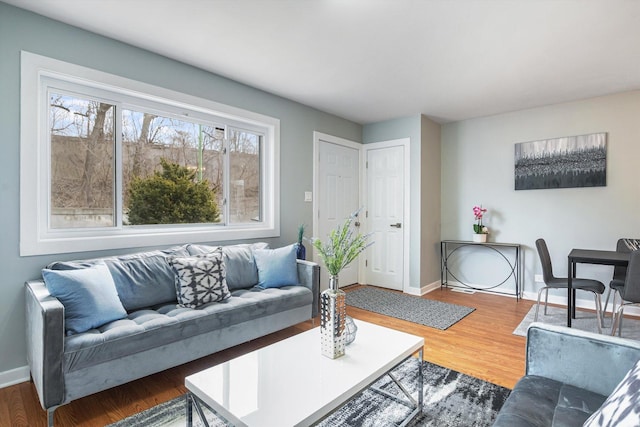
(619, 273)
(552, 282)
(630, 292)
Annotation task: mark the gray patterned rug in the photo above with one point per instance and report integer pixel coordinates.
(435, 314)
(585, 320)
(451, 399)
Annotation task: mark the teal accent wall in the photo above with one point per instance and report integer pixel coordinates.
(22, 30)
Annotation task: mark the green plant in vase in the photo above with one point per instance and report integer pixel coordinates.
(342, 247)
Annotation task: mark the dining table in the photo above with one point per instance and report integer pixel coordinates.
(589, 256)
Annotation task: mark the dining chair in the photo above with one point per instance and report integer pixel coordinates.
(630, 292)
(625, 245)
(552, 282)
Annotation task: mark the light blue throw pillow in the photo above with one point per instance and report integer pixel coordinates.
(276, 267)
(88, 295)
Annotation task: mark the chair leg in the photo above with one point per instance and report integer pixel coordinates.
(535, 318)
(617, 321)
(613, 302)
(620, 323)
(606, 303)
(599, 315)
(546, 300)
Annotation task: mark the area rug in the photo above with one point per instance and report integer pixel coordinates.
(434, 314)
(585, 320)
(451, 399)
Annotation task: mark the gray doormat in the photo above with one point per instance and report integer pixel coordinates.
(451, 399)
(435, 314)
(585, 320)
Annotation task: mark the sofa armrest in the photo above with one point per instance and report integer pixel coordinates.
(583, 359)
(309, 276)
(45, 342)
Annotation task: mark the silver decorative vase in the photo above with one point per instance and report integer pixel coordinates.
(333, 314)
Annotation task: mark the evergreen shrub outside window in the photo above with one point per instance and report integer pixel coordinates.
(172, 196)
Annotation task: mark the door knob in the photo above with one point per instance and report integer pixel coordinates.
(397, 225)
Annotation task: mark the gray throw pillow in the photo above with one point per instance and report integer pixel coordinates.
(142, 279)
(240, 266)
(200, 279)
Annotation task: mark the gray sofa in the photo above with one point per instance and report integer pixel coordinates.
(156, 333)
(569, 374)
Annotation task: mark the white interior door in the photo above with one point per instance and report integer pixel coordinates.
(385, 176)
(338, 195)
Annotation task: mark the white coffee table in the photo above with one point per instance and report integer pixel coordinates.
(290, 383)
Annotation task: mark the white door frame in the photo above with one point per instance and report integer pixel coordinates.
(318, 137)
(406, 223)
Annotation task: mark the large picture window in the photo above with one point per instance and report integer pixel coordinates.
(122, 163)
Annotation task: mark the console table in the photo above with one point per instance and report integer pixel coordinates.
(510, 252)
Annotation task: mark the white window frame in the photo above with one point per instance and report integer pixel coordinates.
(36, 238)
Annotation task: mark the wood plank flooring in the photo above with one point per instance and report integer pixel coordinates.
(481, 345)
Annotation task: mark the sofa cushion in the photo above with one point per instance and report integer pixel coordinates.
(166, 323)
(142, 279)
(200, 279)
(537, 401)
(276, 267)
(88, 295)
(622, 407)
(240, 267)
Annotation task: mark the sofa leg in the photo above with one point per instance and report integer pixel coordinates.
(50, 412)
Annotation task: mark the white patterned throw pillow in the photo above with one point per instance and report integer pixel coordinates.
(622, 407)
(200, 279)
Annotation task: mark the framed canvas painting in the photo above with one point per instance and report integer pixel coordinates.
(572, 161)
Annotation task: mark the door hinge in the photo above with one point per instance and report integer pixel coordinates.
(366, 263)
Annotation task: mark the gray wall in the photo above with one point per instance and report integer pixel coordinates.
(478, 167)
(22, 30)
(430, 199)
(424, 136)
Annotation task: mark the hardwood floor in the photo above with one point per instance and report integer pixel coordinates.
(481, 345)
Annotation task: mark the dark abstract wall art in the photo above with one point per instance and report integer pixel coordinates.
(572, 161)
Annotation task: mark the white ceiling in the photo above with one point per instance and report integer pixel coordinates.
(372, 60)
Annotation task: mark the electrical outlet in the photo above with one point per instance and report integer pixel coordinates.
(538, 278)
(308, 197)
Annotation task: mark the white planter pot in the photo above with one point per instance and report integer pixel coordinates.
(480, 238)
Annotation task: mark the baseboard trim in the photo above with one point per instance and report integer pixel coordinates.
(423, 289)
(14, 376)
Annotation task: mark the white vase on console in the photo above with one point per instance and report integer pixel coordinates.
(479, 237)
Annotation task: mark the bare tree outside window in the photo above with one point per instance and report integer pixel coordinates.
(82, 162)
(244, 191)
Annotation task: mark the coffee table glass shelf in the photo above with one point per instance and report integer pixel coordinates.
(290, 383)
